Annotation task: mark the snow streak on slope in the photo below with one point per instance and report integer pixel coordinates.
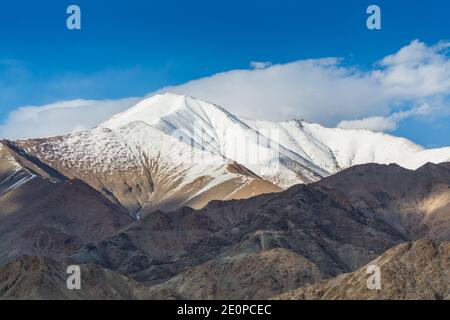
(292, 136)
(12, 174)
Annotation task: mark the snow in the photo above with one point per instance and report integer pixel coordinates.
(16, 176)
(187, 138)
(138, 146)
(16, 183)
(352, 147)
(210, 128)
(285, 153)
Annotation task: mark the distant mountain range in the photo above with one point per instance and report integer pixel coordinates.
(178, 198)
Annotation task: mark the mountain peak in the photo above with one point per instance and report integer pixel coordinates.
(149, 110)
(166, 107)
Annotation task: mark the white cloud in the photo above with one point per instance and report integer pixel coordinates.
(318, 90)
(329, 92)
(260, 64)
(60, 117)
(388, 123)
(326, 91)
(416, 71)
(371, 123)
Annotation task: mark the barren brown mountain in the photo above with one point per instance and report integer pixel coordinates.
(321, 230)
(32, 277)
(44, 213)
(301, 234)
(415, 202)
(412, 270)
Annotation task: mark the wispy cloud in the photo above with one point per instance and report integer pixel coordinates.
(260, 64)
(386, 123)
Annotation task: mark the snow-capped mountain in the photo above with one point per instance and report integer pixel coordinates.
(206, 127)
(172, 150)
(285, 153)
(318, 150)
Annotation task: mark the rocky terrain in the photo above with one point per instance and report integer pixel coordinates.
(31, 277)
(411, 270)
(329, 234)
(417, 270)
(42, 212)
(415, 202)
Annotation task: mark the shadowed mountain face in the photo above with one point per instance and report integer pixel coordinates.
(44, 213)
(58, 220)
(302, 233)
(305, 233)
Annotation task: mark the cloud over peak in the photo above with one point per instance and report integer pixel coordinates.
(413, 82)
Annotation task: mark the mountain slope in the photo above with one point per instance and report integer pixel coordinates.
(416, 203)
(316, 150)
(52, 219)
(303, 234)
(257, 275)
(417, 270)
(285, 153)
(17, 168)
(40, 278)
(144, 169)
(253, 248)
(206, 126)
(412, 270)
(322, 230)
(353, 147)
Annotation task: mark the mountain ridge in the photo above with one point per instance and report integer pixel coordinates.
(171, 150)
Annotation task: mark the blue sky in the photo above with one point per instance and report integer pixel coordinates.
(134, 47)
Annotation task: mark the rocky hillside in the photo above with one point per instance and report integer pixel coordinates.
(37, 278)
(44, 213)
(415, 202)
(412, 270)
(271, 242)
